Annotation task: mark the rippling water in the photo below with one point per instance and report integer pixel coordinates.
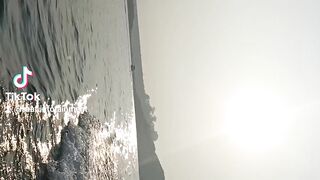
(79, 53)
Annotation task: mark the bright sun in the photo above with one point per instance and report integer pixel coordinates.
(255, 120)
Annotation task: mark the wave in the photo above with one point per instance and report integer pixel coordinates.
(64, 145)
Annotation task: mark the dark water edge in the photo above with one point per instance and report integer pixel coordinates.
(1, 10)
(149, 164)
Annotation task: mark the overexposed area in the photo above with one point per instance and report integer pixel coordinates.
(236, 87)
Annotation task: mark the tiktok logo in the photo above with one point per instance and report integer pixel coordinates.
(21, 80)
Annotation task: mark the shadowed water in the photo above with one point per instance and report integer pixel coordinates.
(72, 47)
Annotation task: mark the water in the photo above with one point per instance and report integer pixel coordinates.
(79, 51)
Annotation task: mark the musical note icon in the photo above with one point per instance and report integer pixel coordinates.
(21, 80)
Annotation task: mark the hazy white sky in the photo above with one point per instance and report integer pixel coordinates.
(236, 86)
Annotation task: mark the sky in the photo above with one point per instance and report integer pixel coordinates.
(236, 87)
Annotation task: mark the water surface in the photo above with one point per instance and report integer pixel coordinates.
(73, 47)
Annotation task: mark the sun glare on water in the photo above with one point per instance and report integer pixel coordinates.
(255, 120)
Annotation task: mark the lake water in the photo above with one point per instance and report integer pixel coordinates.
(79, 52)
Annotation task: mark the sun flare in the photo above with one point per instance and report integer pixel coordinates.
(255, 120)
